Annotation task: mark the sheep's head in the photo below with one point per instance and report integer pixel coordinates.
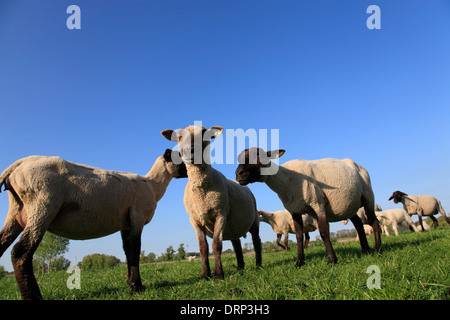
(174, 165)
(193, 142)
(397, 196)
(254, 165)
(263, 216)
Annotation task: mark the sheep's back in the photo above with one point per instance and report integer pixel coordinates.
(342, 182)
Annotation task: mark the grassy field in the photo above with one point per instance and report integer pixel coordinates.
(413, 266)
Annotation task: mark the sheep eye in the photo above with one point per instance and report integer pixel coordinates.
(180, 138)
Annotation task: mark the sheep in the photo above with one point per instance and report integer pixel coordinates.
(282, 223)
(218, 207)
(80, 202)
(328, 189)
(394, 217)
(420, 205)
(362, 214)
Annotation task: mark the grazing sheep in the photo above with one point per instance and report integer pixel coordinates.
(218, 207)
(282, 223)
(394, 217)
(78, 202)
(362, 215)
(420, 205)
(329, 189)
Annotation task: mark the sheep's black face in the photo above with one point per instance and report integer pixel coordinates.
(247, 173)
(249, 168)
(175, 166)
(255, 165)
(397, 196)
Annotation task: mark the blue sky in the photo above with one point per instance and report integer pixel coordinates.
(312, 69)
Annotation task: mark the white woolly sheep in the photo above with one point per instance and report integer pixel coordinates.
(393, 218)
(78, 202)
(420, 205)
(218, 207)
(329, 189)
(282, 223)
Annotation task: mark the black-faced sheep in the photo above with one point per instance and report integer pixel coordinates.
(420, 205)
(329, 189)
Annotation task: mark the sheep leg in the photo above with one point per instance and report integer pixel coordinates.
(394, 227)
(217, 251)
(298, 225)
(22, 259)
(420, 221)
(254, 231)
(204, 251)
(324, 230)
(357, 222)
(279, 235)
(132, 247)
(238, 251)
(306, 239)
(286, 241)
(369, 208)
(435, 222)
(9, 233)
(386, 230)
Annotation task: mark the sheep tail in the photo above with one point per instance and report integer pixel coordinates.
(5, 174)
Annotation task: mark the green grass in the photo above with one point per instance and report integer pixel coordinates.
(413, 266)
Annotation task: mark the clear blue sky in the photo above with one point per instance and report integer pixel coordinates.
(312, 69)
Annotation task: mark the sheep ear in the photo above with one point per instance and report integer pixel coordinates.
(169, 134)
(213, 132)
(275, 153)
(168, 155)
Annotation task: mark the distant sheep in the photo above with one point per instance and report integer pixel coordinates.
(282, 223)
(420, 205)
(331, 189)
(394, 218)
(78, 202)
(218, 207)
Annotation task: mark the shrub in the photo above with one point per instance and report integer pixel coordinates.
(98, 261)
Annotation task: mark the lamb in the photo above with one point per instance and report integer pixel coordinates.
(79, 202)
(420, 205)
(394, 217)
(329, 189)
(218, 207)
(282, 223)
